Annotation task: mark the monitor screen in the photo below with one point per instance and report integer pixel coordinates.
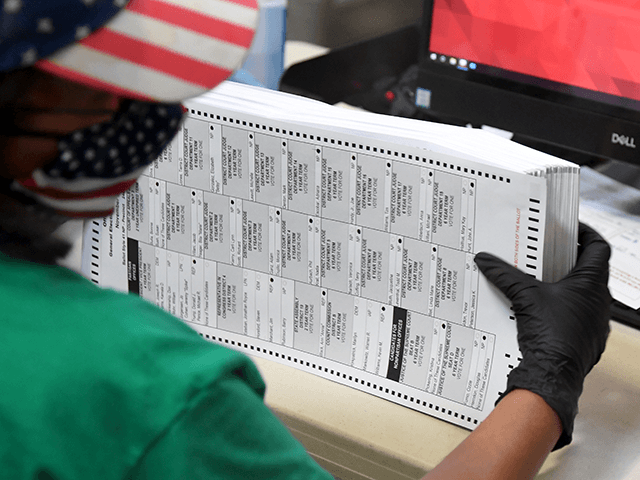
(571, 64)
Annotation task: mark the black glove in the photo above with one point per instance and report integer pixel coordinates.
(562, 326)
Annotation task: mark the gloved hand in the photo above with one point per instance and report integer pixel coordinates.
(562, 326)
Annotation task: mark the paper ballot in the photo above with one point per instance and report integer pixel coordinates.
(342, 243)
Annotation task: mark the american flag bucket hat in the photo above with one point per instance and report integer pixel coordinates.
(153, 50)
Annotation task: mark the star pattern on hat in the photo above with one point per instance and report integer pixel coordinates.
(29, 57)
(12, 6)
(82, 31)
(45, 25)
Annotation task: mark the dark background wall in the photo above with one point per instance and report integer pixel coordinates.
(335, 23)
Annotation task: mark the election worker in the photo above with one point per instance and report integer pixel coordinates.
(99, 384)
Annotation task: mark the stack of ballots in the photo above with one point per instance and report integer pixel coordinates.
(341, 242)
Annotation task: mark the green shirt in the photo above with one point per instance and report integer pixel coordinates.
(101, 385)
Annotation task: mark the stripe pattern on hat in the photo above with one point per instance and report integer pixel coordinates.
(162, 50)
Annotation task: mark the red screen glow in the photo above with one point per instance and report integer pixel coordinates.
(592, 44)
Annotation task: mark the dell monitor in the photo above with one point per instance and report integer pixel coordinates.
(562, 75)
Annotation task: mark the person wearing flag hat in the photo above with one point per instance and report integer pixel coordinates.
(98, 384)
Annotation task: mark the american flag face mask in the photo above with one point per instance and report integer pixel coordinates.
(147, 50)
(96, 164)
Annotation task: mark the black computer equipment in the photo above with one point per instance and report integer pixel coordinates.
(563, 75)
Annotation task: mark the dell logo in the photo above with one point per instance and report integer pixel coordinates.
(623, 140)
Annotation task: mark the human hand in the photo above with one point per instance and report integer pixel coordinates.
(562, 326)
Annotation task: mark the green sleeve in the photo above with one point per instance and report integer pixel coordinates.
(227, 432)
